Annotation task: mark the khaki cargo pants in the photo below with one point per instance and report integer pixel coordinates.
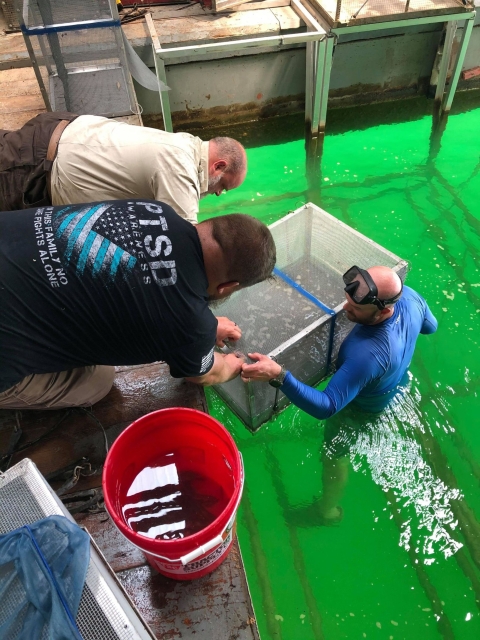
(80, 387)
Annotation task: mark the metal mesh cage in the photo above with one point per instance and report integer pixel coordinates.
(39, 13)
(79, 56)
(105, 613)
(299, 317)
(11, 16)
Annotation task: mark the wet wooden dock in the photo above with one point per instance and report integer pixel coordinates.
(215, 607)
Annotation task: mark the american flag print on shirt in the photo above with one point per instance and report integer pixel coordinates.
(96, 238)
(206, 361)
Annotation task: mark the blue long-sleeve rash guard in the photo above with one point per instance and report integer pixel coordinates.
(372, 362)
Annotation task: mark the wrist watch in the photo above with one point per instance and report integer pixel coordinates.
(278, 380)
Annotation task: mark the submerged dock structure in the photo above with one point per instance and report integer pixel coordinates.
(260, 59)
(321, 26)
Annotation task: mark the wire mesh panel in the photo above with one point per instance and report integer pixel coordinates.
(11, 16)
(40, 13)
(270, 313)
(299, 317)
(79, 55)
(104, 613)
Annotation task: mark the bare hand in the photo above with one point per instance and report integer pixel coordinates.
(263, 369)
(234, 363)
(225, 368)
(227, 330)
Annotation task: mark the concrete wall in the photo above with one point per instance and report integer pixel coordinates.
(236, 89)
(366, 68)
(395, 61)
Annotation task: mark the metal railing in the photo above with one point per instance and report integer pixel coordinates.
(315, 33)
(351, 11)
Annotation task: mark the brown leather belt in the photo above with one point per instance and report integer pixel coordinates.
(52, 151)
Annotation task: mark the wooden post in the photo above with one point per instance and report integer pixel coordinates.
(445, 60)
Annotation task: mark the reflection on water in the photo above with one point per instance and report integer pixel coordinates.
(169, 499)
(388, 446)
(394, 447)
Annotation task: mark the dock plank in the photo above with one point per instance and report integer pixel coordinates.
(164, 12)
(287, 19)
(20, 97)
(136, 391)
(15, 104)
(178, 26)
(118, 552)
(212, 607)
(12, 48)
(16, 120)
(210, 27)
(18, 82)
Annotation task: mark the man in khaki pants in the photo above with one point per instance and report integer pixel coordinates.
(80, 387)
(86, 287)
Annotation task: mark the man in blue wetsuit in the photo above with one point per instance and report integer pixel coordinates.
(374, 358)
(372, 362)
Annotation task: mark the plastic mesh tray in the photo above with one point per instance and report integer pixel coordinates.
(105, 612)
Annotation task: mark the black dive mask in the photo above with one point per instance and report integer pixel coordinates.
(362, 289)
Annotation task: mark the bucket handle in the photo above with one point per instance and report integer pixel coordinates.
(214, 542)
(193, 555)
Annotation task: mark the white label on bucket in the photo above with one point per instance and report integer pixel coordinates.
(197, 565)
(154, 477)
(178, 569)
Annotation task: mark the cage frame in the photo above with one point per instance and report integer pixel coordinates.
(336, 316)
(48, 93)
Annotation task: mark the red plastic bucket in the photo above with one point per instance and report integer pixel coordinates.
(194, 555)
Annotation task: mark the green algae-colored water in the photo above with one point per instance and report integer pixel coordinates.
(404, 562)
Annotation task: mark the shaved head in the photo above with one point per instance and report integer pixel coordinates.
(388, 282)
(388, 285)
